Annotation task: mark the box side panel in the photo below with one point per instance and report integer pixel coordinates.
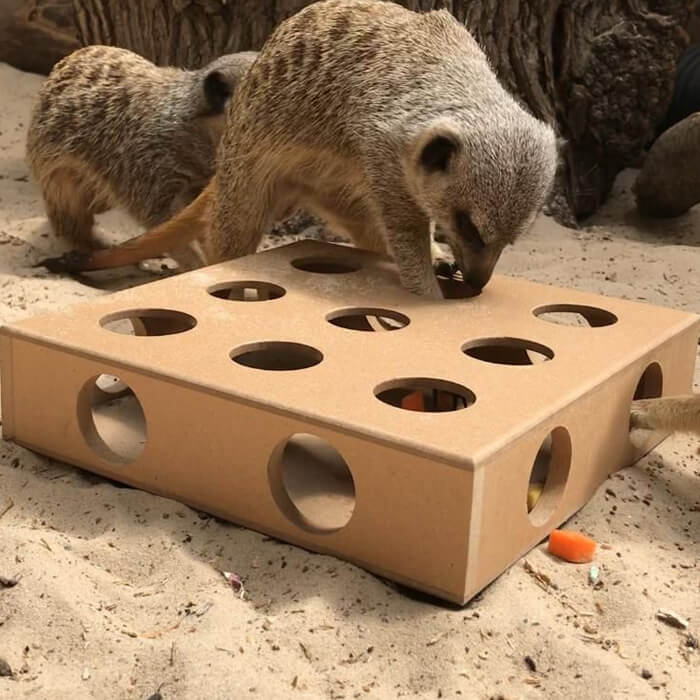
(410, 515)
(7, 387)
(594, 432)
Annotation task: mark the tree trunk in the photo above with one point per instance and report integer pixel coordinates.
(603, 71)
(34, 34)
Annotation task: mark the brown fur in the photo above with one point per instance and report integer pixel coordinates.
(672, 414)
(110, 129)
(379, 120)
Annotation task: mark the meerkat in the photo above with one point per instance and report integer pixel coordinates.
(379, 120)
(111, 129)
(672, 414)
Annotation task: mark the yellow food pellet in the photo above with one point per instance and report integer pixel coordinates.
(534, 492)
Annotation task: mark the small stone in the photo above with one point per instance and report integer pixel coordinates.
(646, 674)
(5, 670)
(86, 674)
(671, 618)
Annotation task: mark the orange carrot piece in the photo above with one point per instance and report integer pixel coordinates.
(571, 546)
(413, 402)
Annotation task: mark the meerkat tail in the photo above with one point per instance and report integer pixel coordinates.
(174, 233)
(673, 414)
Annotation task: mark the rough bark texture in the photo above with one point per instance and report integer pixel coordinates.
(34, 34)
(603, 71)
(694, 26)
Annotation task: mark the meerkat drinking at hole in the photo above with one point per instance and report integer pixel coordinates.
(112, 129)
(378, 119)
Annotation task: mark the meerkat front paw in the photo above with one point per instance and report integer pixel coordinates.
(71, 261)
(639, 416)
(442, 262)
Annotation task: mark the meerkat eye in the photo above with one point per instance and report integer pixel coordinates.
(469, 232)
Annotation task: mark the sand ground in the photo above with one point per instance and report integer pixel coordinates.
(120, 594)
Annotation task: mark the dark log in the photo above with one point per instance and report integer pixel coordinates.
(603, 71)
(35, 34)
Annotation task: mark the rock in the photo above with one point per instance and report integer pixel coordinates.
(669, 183)
(5, 670)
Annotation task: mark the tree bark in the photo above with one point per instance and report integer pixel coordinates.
(35, 34)
(602, 71)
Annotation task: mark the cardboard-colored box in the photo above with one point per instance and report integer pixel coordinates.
(268, 391)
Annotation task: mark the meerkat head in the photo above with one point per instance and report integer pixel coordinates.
(219, 80)
(483, 185)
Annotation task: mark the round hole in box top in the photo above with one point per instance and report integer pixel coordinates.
(548, 477)
(368, 319)
(425, 395)
(508, 351)
(453, 286)
(111, 419)
(311, 483)
(277, 356)
(575, 315)
(247, 291)
(148, 322)
(326, 265)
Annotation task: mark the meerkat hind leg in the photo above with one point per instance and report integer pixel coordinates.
(243, 210)
(69, 207)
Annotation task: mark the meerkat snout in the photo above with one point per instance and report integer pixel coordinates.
(483, 187)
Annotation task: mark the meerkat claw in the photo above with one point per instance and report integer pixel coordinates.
(444, 269)
(72, 261)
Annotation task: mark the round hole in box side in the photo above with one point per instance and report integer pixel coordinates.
(549, 475)
(366, 319)
(111, 385)
(649, 386)
(148, 322)
(651, 383)
(575, 315)
(247, 291)
(277, 356)
(311, 483)
(425, 395)
(326, 265)
(113, 423)
(508, 351)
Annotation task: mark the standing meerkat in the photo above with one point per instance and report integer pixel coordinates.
(111, 129)
(379, 120)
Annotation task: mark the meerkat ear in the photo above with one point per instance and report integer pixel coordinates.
(437, 149)
(217, 91)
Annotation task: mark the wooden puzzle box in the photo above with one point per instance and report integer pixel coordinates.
(303, 393)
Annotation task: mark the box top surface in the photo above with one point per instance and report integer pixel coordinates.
(351, 366)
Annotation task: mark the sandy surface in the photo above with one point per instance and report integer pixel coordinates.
(119, 592)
